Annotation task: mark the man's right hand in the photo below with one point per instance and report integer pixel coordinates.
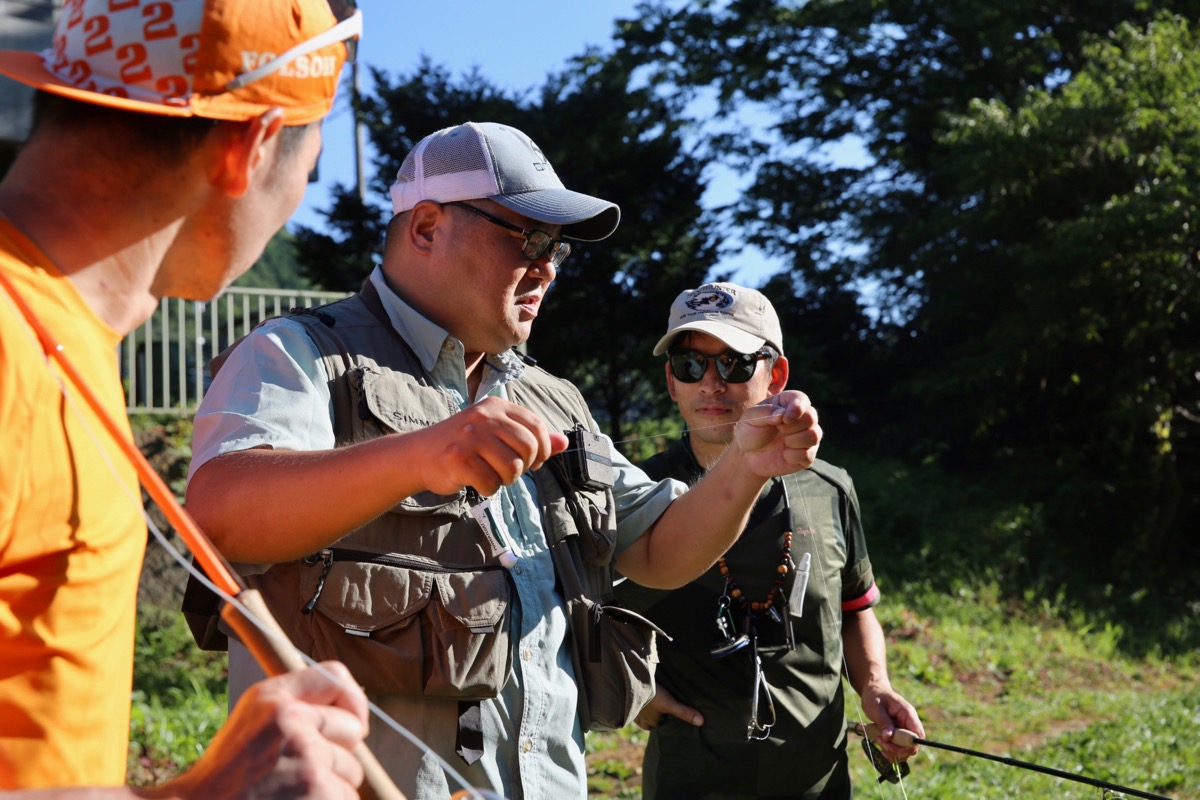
(291, 736)
(486, 446)
(664, 703)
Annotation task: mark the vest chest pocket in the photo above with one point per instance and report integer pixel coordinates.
(402, 626)
(591, 510)
(383, 406)
(597, 543)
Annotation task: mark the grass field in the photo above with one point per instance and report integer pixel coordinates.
(996, 657)
(1002, 680)
(985, 675)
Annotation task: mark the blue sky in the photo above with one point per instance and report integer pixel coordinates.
(515, 45)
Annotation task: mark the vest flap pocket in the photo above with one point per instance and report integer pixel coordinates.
(369, 597)
(473, 600)
(597, 543)
(615, 659)
(630, 617)
(405, 407)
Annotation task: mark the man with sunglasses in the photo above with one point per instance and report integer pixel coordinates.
(397, 481)
(749, 701)
(169, 142)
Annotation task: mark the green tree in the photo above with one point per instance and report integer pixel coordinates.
(1079, 295)
(1019, 210)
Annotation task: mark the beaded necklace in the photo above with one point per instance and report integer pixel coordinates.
(781, 571)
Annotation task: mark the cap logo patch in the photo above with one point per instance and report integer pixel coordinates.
(711, 300)
(542, 165)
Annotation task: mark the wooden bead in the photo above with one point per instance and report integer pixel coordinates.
(782, 570)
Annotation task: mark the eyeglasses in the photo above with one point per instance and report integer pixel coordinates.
(536, 242)
(348, 29)
(689, 366)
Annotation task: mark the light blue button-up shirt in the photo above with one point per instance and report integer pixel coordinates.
(273, 391)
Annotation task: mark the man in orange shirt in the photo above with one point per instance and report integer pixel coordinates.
(169, 144)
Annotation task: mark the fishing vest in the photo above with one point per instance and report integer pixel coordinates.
(413, 602)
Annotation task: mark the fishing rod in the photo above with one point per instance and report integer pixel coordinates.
(905, 738)
(249, 617)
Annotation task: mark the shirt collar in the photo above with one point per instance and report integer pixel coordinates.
(427, 338)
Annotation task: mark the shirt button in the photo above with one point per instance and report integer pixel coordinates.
(526, 746)
(517, 569)
(527, 654)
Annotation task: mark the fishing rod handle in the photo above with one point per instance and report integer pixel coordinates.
(276, 654)
(900, 737)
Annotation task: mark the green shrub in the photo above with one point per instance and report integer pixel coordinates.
(179, 697)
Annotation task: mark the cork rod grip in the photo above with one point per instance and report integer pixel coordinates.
(277, 655)
(901, 738)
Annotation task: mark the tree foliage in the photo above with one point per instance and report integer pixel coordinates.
(1021, 215)
(1080, 290)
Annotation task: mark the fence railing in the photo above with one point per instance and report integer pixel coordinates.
(164, 362)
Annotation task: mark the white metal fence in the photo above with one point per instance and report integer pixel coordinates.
(164, 363)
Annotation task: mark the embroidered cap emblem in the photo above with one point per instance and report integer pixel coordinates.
(709, 300)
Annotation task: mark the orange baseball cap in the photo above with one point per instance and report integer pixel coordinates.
(219, 59)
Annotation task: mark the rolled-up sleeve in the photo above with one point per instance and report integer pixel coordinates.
(272, 391)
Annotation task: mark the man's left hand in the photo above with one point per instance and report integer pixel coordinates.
(780, 435)
(889, 711)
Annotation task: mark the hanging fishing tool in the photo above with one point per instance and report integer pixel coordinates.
(728, 641)
(257, 628)
(905, 738)
(759, 729)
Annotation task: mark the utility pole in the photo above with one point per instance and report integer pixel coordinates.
(360, 141)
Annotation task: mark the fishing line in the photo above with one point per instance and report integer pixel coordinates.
(376, 710)
(636, 439)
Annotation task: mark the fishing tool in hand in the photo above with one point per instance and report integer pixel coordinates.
(905, 738)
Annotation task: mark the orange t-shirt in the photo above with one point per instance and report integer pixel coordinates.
(72, 538)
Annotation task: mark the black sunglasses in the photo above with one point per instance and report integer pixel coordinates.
(689, 366)
(536, 242)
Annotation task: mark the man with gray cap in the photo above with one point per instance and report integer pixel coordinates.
(750, 705)
(398, 483)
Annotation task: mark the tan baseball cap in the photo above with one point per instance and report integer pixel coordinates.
(218, 59)
(742, 318)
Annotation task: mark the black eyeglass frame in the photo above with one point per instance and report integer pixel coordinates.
(732, 367)
(536, 242)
